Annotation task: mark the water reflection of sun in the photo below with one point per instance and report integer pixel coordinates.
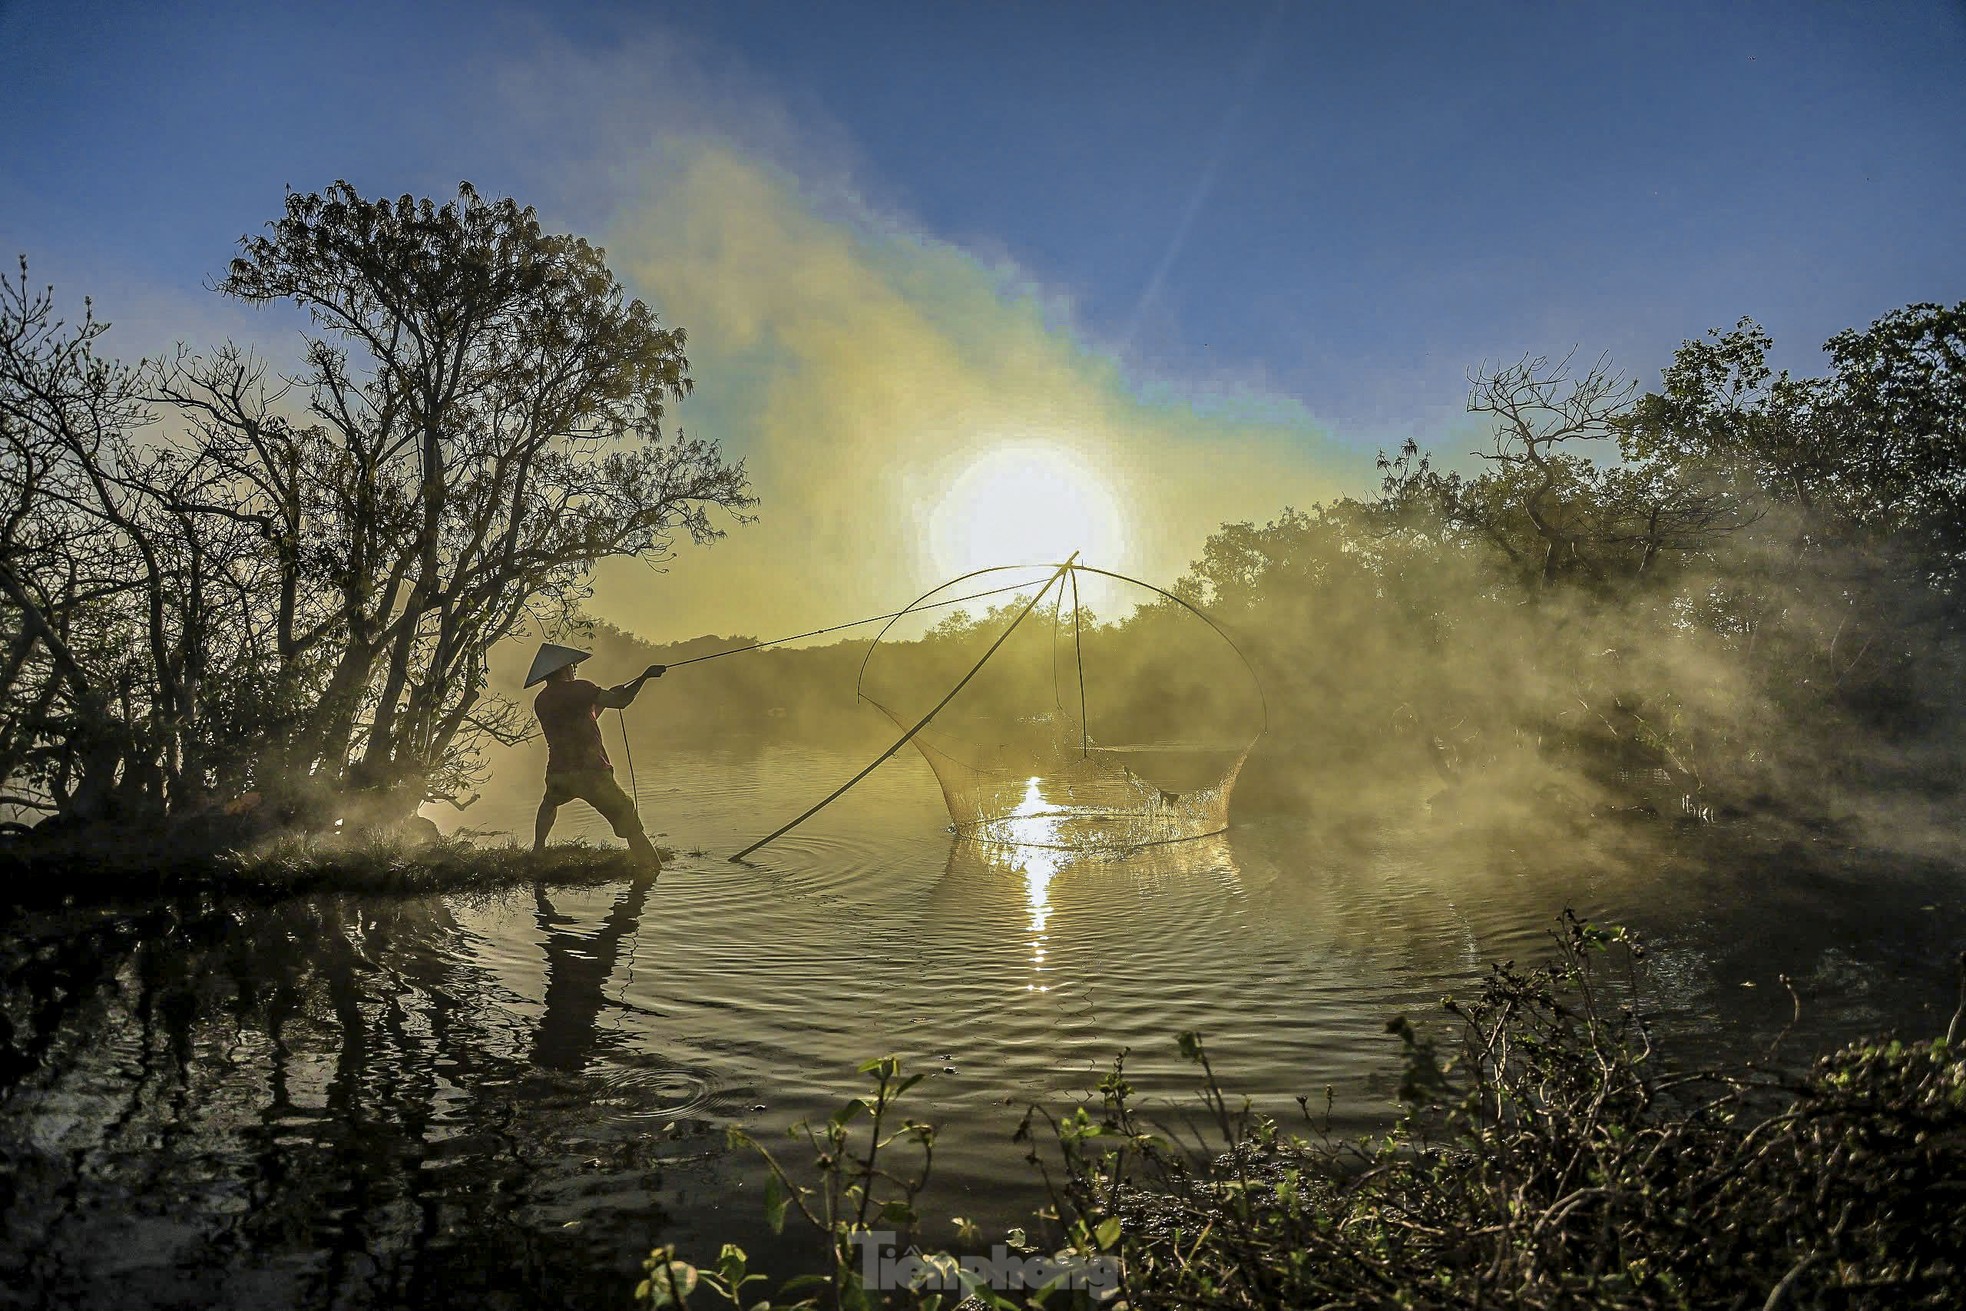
(1032, 832)
(1034, 840)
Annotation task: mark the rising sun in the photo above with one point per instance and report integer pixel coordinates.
(1024, 502)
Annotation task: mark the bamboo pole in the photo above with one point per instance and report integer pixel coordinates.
(920, 724)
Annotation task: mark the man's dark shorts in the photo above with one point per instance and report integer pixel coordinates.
(598, 789)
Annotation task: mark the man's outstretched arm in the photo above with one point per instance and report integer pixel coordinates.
(614, 698)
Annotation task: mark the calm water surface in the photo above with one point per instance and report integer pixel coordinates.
(506, 1099)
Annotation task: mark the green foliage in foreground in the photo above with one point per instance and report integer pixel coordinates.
(1549, 1158)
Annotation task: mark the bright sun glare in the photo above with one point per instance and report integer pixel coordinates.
(1024, 503)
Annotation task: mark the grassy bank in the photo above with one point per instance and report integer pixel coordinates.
(1551, 1155)
(37, 874)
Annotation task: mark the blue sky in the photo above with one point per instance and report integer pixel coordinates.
(1312, 216)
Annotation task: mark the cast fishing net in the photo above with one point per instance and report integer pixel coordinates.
(1073, 729)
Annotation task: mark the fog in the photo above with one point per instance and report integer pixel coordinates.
(1703, 654)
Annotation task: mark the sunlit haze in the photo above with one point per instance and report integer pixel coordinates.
(1212, 260)
(909, 413)
(1021, 501)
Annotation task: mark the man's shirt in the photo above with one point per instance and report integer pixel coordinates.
(569, 716)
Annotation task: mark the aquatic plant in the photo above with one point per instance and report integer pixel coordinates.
(1549, 1156)
(855, 1190)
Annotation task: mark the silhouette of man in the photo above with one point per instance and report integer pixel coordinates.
(577, 764)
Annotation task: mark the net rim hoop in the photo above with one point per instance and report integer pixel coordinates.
(860, 677)
(968, 834)
(1262, 698)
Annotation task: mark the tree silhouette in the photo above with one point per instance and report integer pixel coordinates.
(296, 592)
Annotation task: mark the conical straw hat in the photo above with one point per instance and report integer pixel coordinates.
(551, 657)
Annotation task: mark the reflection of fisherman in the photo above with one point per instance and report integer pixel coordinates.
(577, 764)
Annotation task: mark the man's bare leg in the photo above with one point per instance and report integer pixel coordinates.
(543, 824)
(629, 827)
(618, 809)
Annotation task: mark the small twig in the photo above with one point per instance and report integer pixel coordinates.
(1779, 1291)
(1795, 1017)
(1959, 1012)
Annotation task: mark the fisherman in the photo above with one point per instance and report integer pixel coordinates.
(577, 765)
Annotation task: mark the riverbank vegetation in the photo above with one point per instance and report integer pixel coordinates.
(1552, 1154)
(1738, 594)
(233, 594)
